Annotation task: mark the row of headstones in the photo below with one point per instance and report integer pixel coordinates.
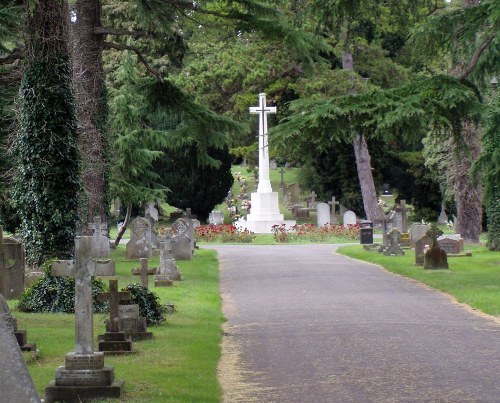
(84, 374)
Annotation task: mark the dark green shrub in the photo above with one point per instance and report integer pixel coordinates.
(149, 303)
(57, 294)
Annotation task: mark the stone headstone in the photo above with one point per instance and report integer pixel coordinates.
(443, 217)
(435, 257)
(84, 375)
(168, 270)
(132, 323)
(152, 211)
(138, 246)
(455, 237)
(450, 246)
(293, 193)
(114, 340)
(273, 165)
(349, 218)
(16, 384)
(216, 218)
(394, 239)
(100, 240)
(417, 231)
(184, 226)
(421, 245)
(396, 219)
(152, 235)
(323, 214)
(181, 247)
(12, 270)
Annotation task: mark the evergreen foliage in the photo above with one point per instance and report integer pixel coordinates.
(149, 303)
(57, 294)
(45, 149)
(192, 185)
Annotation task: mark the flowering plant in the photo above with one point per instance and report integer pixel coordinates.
(223, 233)
(309, 232)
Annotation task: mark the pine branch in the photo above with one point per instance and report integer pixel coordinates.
(467, 70)
(119, 32)
(118, 46)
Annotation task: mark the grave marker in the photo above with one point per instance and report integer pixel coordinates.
(12, 271)
(323, 214)
(84, 375)
(349, 218)
(100, 240)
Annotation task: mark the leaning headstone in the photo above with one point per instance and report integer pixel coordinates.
(16, 384)
(20, 335)
(394, 248)
(84, 375)
(100, 241)
(114, 340)
(138, 246)
(349, 218)
(443, 217)
(435, 257)
(11, 267)
(323, 214)
(417, 231)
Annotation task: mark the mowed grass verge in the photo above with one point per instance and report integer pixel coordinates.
(178, 365)
(474, 280)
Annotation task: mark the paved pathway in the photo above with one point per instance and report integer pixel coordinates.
(308, 325)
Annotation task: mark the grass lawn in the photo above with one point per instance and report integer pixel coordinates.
(474, 280)
(178, 365)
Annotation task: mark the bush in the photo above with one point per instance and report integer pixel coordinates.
(149, 303)
(57, 294)
(223, 233)
(311, 233)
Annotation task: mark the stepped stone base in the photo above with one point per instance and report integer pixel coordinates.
(55, 393)
(115, 343)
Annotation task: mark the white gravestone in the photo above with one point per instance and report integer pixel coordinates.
(349, 218)
(323, 214)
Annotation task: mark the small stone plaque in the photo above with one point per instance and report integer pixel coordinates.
(75, 361)
(85, 377)
(128, 311)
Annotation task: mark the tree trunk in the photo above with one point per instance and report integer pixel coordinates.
(125, 225)
(467, 196)
(363, 163)
(88, 77)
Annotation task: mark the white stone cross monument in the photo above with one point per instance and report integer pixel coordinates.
(264, 212)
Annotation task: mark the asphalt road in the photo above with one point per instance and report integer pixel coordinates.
(307, 325)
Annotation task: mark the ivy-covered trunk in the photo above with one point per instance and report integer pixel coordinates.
(88, 76)
(46, 152)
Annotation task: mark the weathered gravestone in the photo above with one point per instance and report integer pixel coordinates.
(152, 211)
(11, 267)
(396, 219)
(300, 212)
(152, 235)
(114, 340)
(138, 246)
(349, 218)
(450, 245)
(20, 335)
(84, 375)
(168, 271)
(216, 217)
(182, 244)
(421, 246)
(443, 217)
(322, 214)
(132, 323)
(435, 257)
(100, 241)
(16, 384)
(333, 214)
(417, 231)
(292, 194)
(394, 239)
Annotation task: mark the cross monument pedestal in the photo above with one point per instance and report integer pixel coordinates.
(264, 212)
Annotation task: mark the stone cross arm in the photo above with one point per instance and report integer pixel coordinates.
(66, 268)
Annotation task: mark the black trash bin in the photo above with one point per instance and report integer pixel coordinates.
(366, 232)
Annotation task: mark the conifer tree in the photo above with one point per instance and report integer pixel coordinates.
(45, 149)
